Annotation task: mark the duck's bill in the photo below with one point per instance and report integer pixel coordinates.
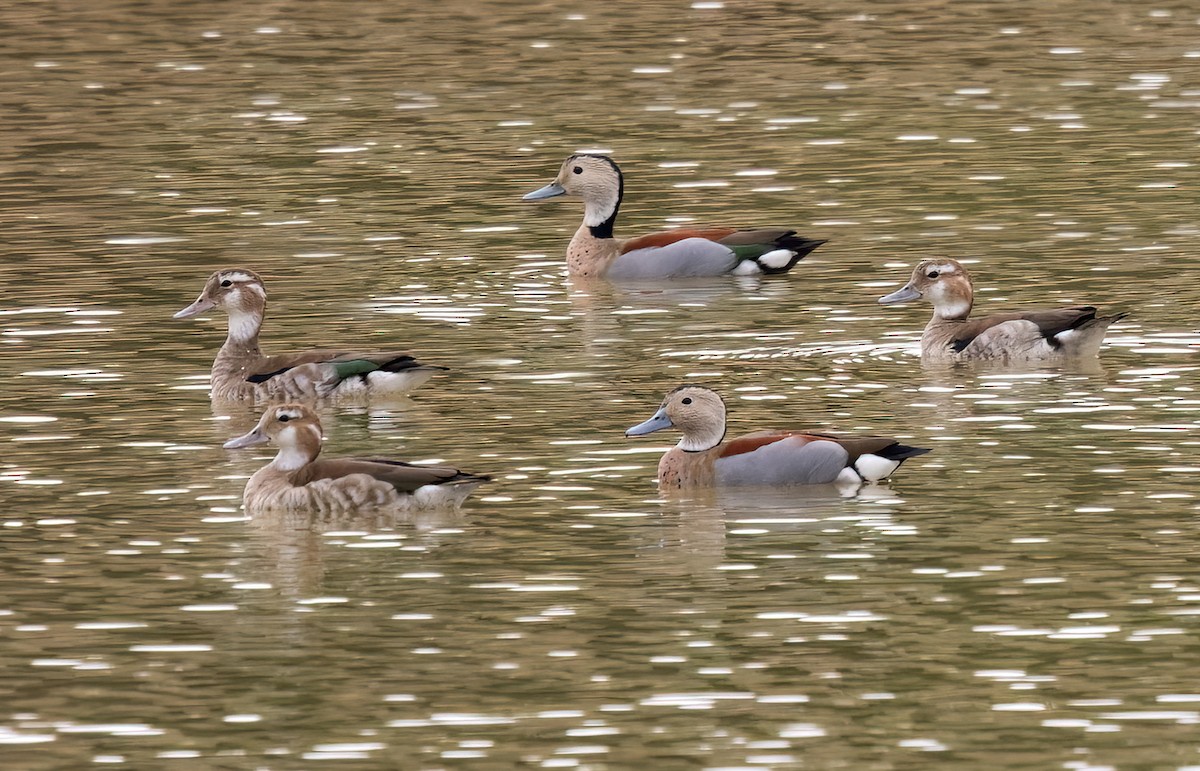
(656, 423)
(251, 439)
(549, 191)
(195, 309)
(904, 294)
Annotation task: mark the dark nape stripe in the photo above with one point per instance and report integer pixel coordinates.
(605, 229)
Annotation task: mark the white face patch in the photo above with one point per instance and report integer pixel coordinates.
(245, 281)
(296, 450)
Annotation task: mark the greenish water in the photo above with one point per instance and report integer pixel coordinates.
(1023, 597)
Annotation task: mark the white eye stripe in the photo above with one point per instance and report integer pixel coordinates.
(238, 277)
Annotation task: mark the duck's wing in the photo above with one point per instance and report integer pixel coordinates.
(779, 458)
(405, 477)
(1056, 329)
(674, 254)
(711, 252)
(335, 365)
(796, 457)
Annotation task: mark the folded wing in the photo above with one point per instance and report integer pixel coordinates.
(405, 477)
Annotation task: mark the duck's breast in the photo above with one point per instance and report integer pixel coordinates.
(688, 257)
(792, 459)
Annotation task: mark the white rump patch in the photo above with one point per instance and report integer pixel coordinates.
(874, 467)
(778, 258)
(747, 268)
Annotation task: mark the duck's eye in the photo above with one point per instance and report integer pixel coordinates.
(932, 274)
(578, 169)
(284, 418)
(687, 400)
(226, 283)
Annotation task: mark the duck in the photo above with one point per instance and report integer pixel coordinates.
(1033, 335)
(297, 480)
(242, 371)
(712, 251)
(703, 457)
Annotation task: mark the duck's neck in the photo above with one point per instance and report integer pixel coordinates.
(244, 327)
(952, 310)
(600, 211)
(702, 440)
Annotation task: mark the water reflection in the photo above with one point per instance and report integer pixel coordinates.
(1035, 580)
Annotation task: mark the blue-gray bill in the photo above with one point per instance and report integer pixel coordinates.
(904, 294)
(549, 191)
(656, 423)
(251, 439)
(196, 308)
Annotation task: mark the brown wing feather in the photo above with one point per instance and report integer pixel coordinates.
(668, 237)
(405, 477)
(855, 446)
(751, 442)
(756, 236)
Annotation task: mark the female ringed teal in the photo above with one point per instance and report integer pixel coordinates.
(595, 252)
(242, 371)
(704, 459)
(1034, 335)
(296, 480)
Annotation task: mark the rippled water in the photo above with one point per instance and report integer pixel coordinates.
(1024, 597)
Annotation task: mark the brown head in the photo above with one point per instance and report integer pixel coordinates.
(697, 412)
(943, 282)
(294, 428)
(240, 292)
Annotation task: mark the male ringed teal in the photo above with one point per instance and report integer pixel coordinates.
(595, 251)
(242, 371)
(296, 480)
(780, 458)
(1034, 335)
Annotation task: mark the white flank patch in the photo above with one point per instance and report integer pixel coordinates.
(848, 476)
(776, 259)
(398, 382)
(747, 268)
(873, 467)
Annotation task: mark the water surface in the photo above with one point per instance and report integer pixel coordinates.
(1023, 597)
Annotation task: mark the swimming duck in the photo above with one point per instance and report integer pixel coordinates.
(703, 458)
(595, 251)
(1060, 333)
(296, 480)
(242, 371)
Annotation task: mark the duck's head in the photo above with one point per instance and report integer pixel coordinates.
(237, 290)
(697, 412)
(943, 282)
(596, 179)
(294, 428)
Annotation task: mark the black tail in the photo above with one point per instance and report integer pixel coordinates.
(404, 363)
(901, 452)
